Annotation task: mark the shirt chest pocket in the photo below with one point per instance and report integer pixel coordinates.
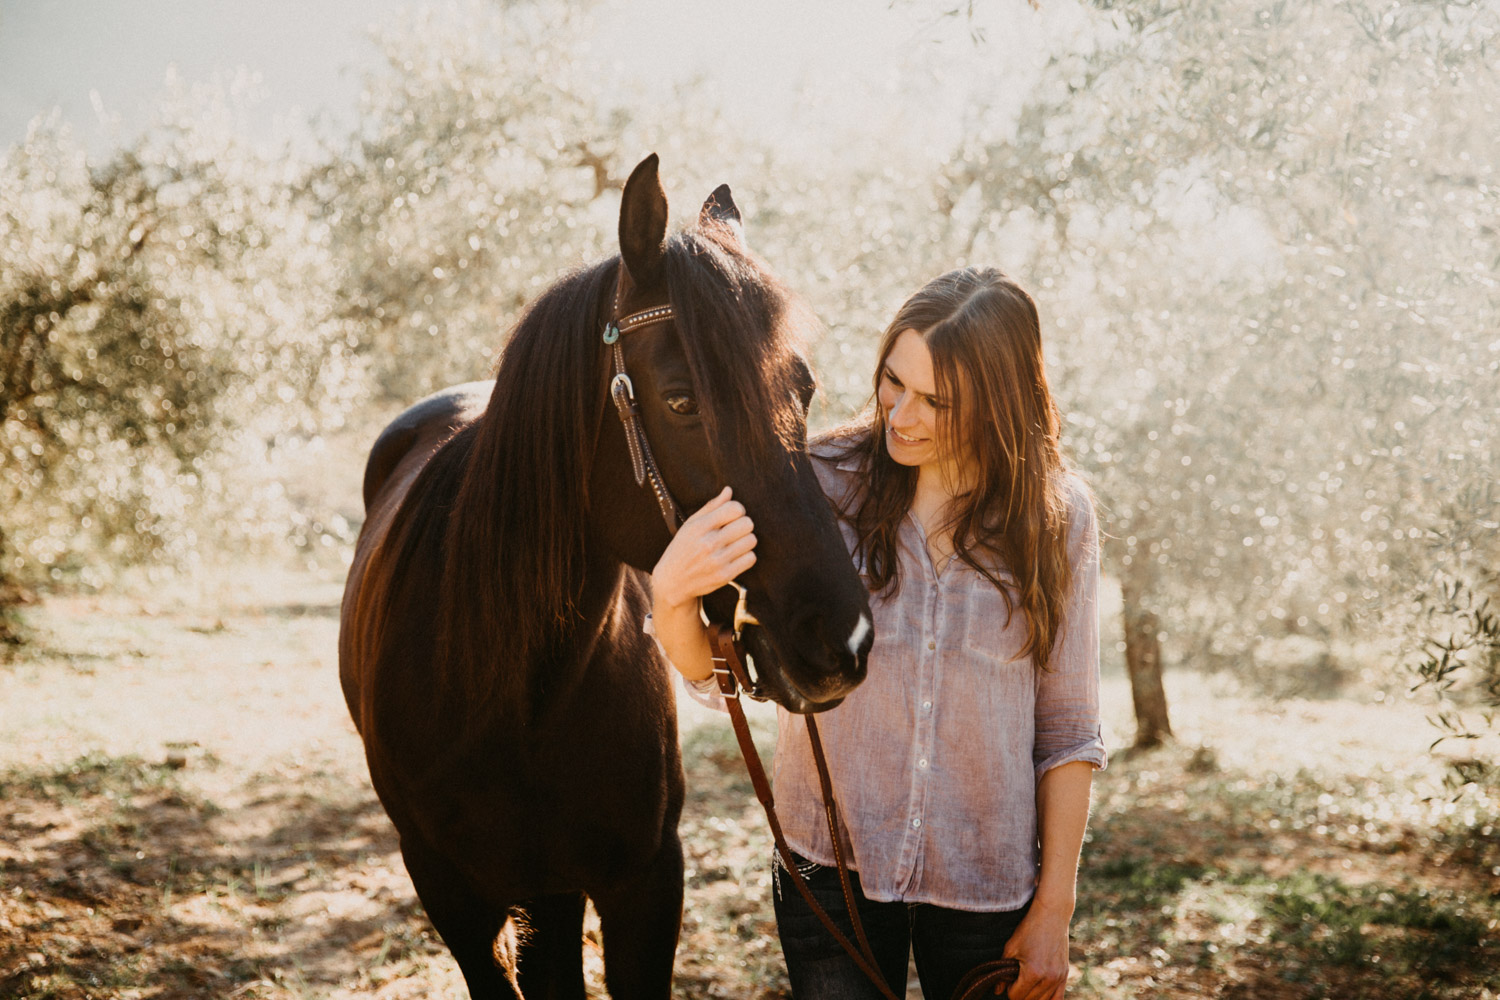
(994, 631)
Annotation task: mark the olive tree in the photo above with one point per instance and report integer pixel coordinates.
(164, 320)
(489, 163)
(1263, 229)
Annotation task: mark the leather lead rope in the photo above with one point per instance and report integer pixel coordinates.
(988, 979)
(729, 669)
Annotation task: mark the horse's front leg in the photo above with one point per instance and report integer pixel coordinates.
(480, 934)
(641, 920)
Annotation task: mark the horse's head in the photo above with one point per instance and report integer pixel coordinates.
(722, 392)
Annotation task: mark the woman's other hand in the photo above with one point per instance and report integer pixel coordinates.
(713, 546)
(1041, 944)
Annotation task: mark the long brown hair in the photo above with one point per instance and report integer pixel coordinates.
(985, 338)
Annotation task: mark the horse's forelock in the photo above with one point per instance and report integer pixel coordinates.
(741, 330)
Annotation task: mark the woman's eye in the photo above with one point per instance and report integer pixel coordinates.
(682, 404)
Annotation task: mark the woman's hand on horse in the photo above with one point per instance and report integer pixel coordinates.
(713, 546)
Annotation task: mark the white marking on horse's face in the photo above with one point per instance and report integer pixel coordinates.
(861, 629)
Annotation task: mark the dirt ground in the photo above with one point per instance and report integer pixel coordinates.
(184, 812)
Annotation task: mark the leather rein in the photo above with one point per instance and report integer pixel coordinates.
(733, 675)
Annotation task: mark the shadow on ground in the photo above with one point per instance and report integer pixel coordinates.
(1202, 882)
(121, 878)
(118, 880)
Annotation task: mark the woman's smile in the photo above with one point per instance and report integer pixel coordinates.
(904, 439)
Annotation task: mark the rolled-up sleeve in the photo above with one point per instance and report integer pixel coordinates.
(1067, 702)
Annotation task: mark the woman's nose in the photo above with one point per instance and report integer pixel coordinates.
(899, 411)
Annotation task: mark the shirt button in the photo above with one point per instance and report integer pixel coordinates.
(926, 706)
(932, 645)
(922, 762)
(916, 824)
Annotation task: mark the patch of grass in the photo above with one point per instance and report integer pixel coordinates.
(714, 745)
(1404, 931)
(729, 944)
(716, 774)
(1291, 885)
(92, 775)
(1140, 882)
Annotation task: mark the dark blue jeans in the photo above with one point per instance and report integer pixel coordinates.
(946, 943)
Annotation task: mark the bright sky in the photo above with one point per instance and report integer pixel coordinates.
(62, 52)
(104, 62)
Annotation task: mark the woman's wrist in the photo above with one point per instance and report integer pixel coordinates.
(665, 603)
(679, 630)
(1058, 901)
(668, 593)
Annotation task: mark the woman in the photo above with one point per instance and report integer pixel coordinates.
(976, 733)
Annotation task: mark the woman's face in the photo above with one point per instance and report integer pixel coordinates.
(913, 411)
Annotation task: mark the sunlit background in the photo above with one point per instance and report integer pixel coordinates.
(1264, 237)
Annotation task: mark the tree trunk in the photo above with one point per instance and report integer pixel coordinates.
(10, 596)
(1143, 661)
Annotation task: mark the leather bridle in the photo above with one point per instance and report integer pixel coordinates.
(622, 392)
(734, 677)
(643, 462)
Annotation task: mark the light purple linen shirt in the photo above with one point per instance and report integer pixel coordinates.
(935, 758)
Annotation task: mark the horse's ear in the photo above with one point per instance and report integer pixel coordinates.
(721, 209)
(643, 224)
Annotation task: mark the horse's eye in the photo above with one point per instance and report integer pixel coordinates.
(682, 404)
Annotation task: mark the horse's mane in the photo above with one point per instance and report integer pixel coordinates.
(514, 538)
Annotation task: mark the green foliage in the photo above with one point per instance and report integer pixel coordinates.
(1259, 233)
(488, 165)
(470, 186)
(1460, 663)
(1258, 229)
(164, 324)
(1456, 631)
(1349, 925)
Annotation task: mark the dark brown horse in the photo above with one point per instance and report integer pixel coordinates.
(519, 727)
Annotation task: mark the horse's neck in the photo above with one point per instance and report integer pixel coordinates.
(604, 585)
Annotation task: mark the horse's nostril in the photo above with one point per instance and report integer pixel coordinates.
(820, 657)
